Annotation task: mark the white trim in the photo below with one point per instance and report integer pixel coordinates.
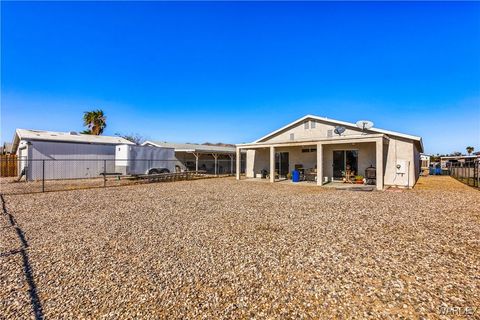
(299, 142)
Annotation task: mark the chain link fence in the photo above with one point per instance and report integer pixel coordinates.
(43, 175)
(466, 172)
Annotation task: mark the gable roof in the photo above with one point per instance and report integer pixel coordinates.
(42, 135)
(191, 147)
(343, 123)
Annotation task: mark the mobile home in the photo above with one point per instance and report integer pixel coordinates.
(78, 155)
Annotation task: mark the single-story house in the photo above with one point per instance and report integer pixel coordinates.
(329, 148)
(447, 161)
(6, 148)
(215, 159)
(79, 154)
(424, 161)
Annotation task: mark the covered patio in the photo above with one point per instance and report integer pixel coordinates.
(322, 161)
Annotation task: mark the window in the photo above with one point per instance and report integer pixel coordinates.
(306, 125)
(309, 150)
(292, 136)
(312, 124)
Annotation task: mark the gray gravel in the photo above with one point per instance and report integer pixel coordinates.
(220, 248)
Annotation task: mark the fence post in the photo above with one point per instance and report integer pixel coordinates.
(478, 173)
(104, 173)
(43, 175)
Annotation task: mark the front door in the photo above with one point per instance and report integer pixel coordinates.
(281, 164)
(343, 160)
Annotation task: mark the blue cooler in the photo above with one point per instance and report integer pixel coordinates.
(295, 176)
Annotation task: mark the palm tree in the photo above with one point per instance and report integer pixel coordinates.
(470, 150)
(95, 121)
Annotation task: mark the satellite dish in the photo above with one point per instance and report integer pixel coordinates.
(364, 124)
(339, 130)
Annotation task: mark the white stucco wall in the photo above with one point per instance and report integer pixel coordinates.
(366, 157)
(257, 160)
(400, 149)
(320, 131)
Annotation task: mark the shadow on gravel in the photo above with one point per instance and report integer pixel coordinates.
(27, 268)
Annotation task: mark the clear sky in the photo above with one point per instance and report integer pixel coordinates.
(232, 72)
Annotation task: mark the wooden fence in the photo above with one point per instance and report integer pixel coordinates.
(8, 165)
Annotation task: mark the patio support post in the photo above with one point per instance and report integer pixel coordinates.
(196, 160)
(379, 163)
(215, 156)
(272, 164)
(237, 163)
(319, 164)
(231, 163)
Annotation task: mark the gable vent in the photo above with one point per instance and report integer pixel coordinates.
(329, 133)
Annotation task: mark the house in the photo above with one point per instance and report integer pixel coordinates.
(215, 159)
(79, 155)
(7, 148)
(425, 164)
(448, 161)
(313, 144)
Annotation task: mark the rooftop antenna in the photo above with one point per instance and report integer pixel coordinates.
(364, 125)
(339, 130)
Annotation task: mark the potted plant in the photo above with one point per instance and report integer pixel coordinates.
(359, 179)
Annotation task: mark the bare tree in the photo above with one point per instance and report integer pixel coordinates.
(133, 137)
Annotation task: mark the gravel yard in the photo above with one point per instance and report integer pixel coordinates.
(219, 248)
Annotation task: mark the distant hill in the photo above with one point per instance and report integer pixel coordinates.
(218, 144)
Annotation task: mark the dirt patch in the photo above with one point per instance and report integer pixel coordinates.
(440, 183)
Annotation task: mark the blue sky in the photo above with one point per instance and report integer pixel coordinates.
(232, 72)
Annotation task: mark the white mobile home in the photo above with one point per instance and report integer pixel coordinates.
(78, 155)
(328, 150)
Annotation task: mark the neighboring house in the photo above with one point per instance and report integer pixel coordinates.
(424, 161)
(311, 143)
(7, 148)
(80, 154)
(192, 156)
(446, 162)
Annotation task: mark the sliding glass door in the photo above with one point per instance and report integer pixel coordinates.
(344, 160)
(281, 164)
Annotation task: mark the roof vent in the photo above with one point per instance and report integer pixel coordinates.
(73, 133)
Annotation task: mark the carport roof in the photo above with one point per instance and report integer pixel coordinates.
(192, 147)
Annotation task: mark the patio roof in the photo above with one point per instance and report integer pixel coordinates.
(361, 138)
